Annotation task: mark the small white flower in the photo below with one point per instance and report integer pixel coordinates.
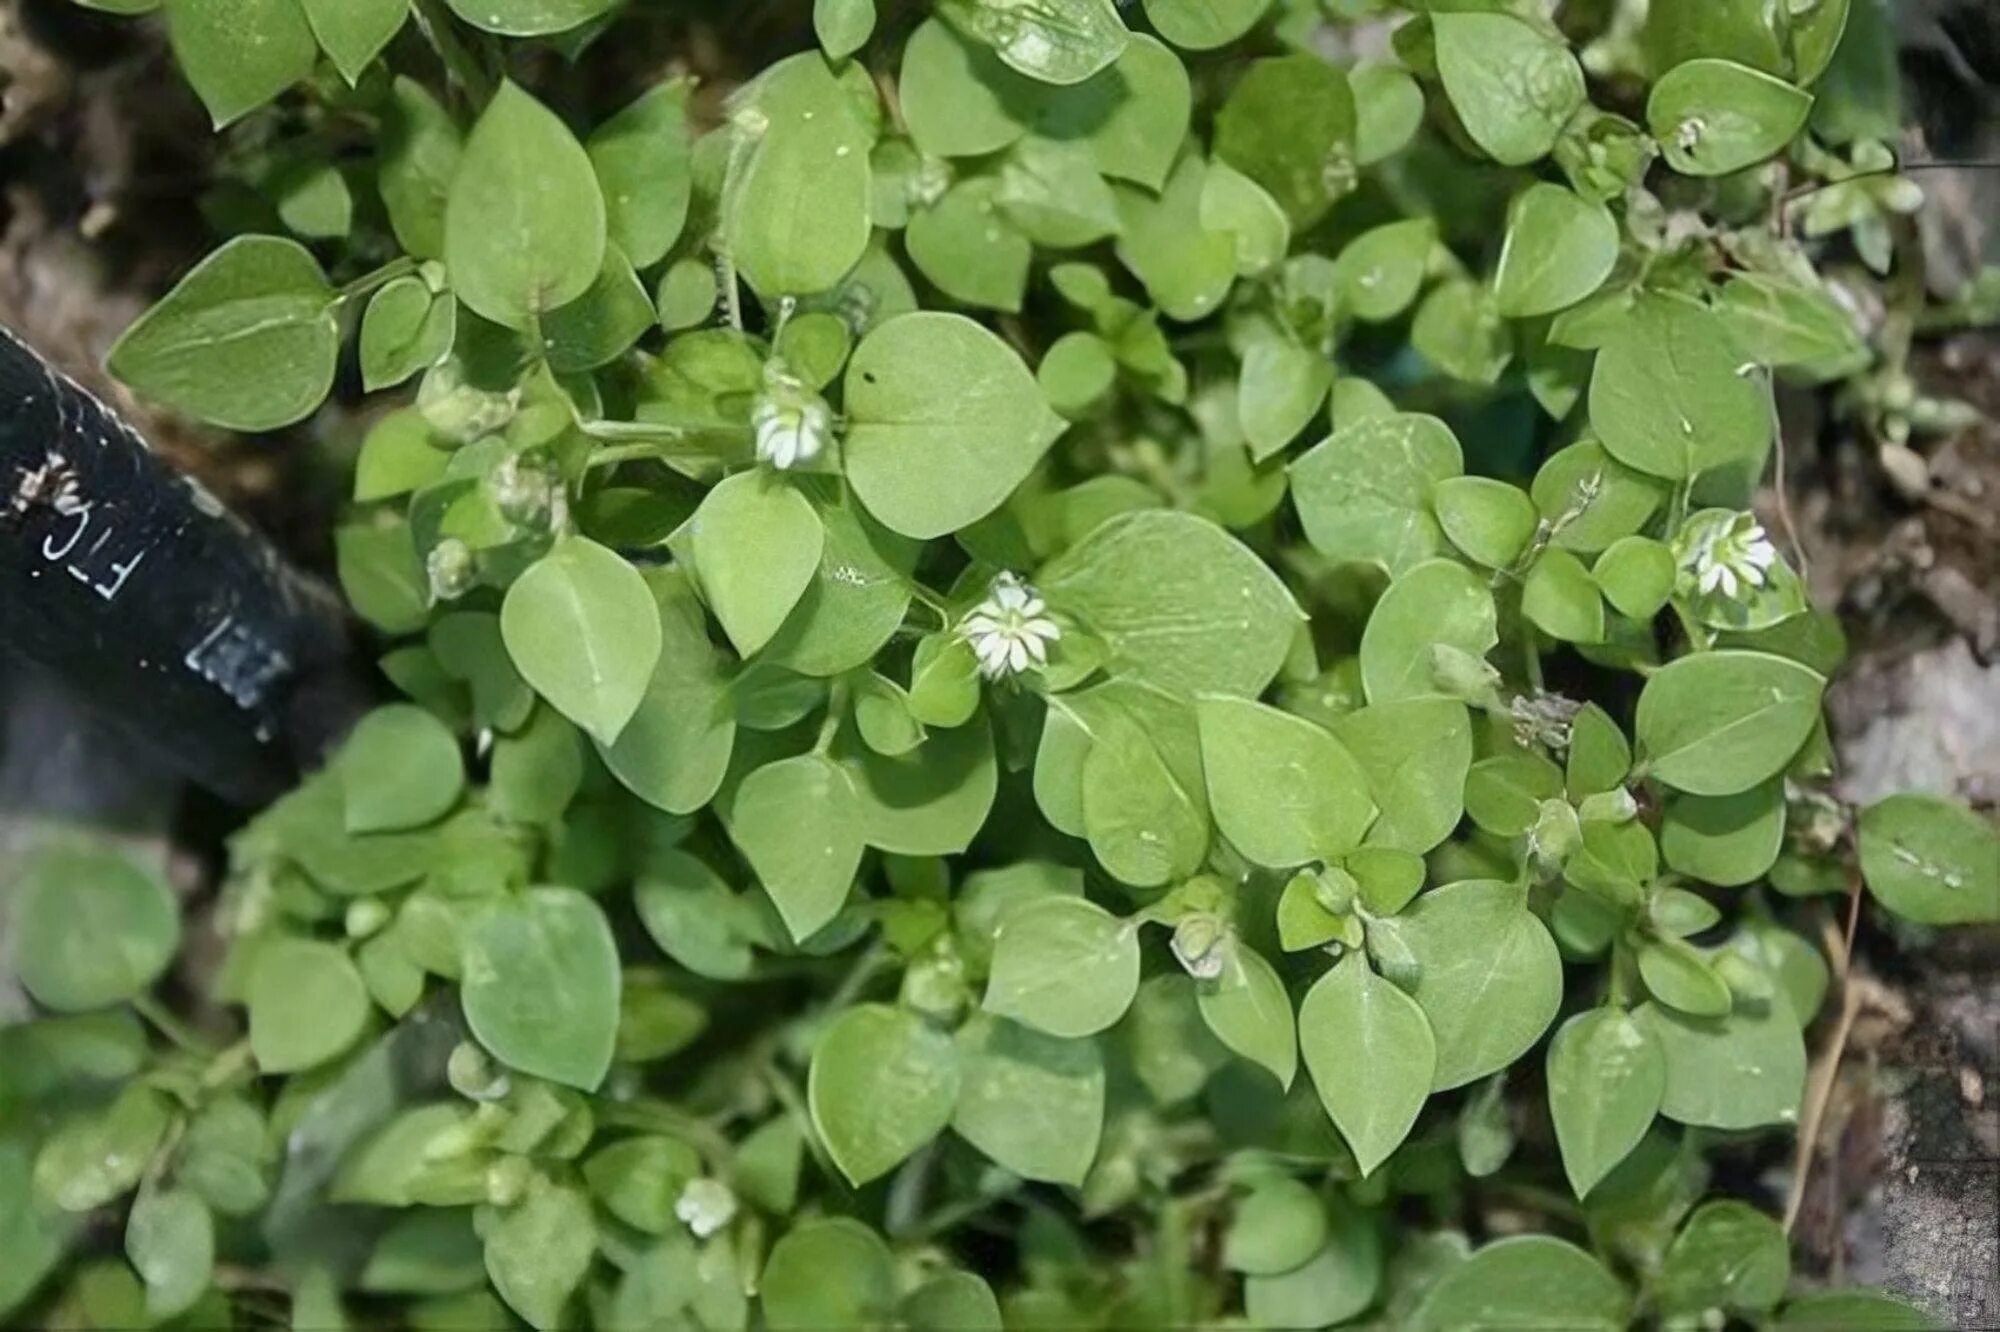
(1727, 554)
(705, 1206)
(790, 431)
(1011, 630)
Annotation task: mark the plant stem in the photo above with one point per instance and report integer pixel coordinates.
(147, 1006)
(368, 283)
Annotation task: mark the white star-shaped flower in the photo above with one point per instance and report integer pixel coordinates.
(790, 432)
(1011, 630)
(1729, 556)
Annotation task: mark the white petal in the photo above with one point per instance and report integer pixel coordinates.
(1010, 596)
(1034, 605)
(1048, 629)
(1726, 580)
(1752, 574)
(1036, 649)
(979, 622)
(1709, 578)
(1017, 656)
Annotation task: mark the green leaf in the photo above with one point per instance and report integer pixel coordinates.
(1185, 268)
(420, 152)
(674, 751)
(1416, 752)
(1203, 25)
(541, 983)
(1288, 124)
(170, 1238)
(400, 768)
(1742, 1071)
(240, 56)
(969, 249)
(1051, 192)
(1439, 603)
(1717, 723)
(1931, 860)
(1280, 392)
(1504, 793)
(1459, 331)
(398, 455)
(407, 328)
(539, 1251)
(1514, 85)
(89, 927)
(582, 629)
(945, 421)
(1560, 598)
(1143, 813)
(1591, 500)
(1063, 42)
(825, 1273)
(1793, 324)
(798, 823)
(32, 1234)
(1713, 117)
(1379, 273)
(1490, 521)
(931, 801)
(536, 772)
(601, 325)
(1365, 492)
(1332, 1286)
(1488, 976)
(246, 341)
(1278, 1226)
(955, 94)
(857, 597)
(99, 1156)
(1063, 965)
(1559, 249)
(1599, 756)
(1389, 109)
(529, 18)
(756, 545)
(1034, 1104)
(1668, 396)
(1076, 372)
(1372, 1057)
(1526, 1281)
(843, 26)
(1249, 1011)
(1728, 1256)
(641, 1179)
(353, 32)
(883, 1083)
(1636, 575)
(1606, 1075)
(1180, 603)
(640, 157)
(524, 229)
(795, 212)
(957, 1300)
(1283, 790)
(1725, 840)
(1237, 206)
(307, 1004)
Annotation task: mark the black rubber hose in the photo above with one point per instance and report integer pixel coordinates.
(133, 585)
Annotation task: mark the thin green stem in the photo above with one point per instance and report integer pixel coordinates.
(368, 283)
(148, 1006)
